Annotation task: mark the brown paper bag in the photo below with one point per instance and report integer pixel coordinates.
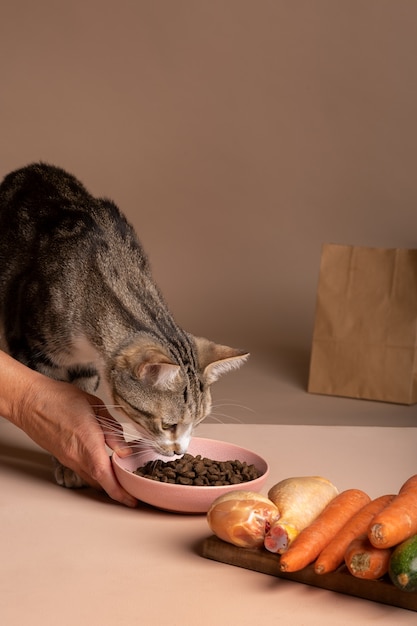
(365, 329)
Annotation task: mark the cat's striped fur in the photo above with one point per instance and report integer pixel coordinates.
(78, 303)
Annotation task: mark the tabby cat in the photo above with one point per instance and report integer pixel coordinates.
(78, 303)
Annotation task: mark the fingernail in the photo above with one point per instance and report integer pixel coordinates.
(123, 452)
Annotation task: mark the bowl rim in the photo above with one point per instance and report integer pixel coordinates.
(117, 460)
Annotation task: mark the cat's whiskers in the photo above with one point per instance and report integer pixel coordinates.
(218, 404)
(119, 431)
(216, 415)
(140, 443)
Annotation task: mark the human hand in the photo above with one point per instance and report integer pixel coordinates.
(74, 427)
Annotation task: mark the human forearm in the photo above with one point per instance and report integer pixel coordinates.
(16, 382)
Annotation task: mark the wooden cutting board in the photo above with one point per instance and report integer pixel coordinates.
(341, 580)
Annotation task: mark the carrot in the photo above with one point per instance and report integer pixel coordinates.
(363, 560)
(398, 521)
(312, 539)
(333, 554)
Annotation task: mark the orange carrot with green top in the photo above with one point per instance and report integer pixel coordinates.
(363, 560)
(310, 542)
(398, 521)
(332, 556)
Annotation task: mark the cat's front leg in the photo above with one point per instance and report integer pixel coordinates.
(66, 477)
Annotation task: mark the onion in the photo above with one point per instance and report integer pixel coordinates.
(242, 518)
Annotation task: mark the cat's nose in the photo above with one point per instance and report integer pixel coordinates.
(180, 448)
(181, 444)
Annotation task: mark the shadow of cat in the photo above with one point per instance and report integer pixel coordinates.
(32, 463)
(38, 465)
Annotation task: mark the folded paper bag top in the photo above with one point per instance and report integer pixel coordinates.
(365, 328)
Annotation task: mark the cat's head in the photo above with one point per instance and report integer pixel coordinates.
(165, 397)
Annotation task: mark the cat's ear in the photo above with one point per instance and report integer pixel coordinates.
(215, 359)
(160, 375)
(147, 361)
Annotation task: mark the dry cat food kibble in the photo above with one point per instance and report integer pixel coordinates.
(199, 471)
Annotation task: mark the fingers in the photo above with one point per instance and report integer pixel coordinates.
(98, 470)
(113, 490)
(102, 476)
(116, 492)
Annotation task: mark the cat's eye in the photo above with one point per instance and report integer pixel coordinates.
(171, 427)
(185, 394)
(201, 386)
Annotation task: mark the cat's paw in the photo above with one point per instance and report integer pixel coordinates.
(66, 477)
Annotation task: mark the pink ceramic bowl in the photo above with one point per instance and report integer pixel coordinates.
(184, 498)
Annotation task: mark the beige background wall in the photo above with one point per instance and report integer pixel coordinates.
(237, 135)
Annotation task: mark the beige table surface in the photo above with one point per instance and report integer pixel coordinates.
(75, 558)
